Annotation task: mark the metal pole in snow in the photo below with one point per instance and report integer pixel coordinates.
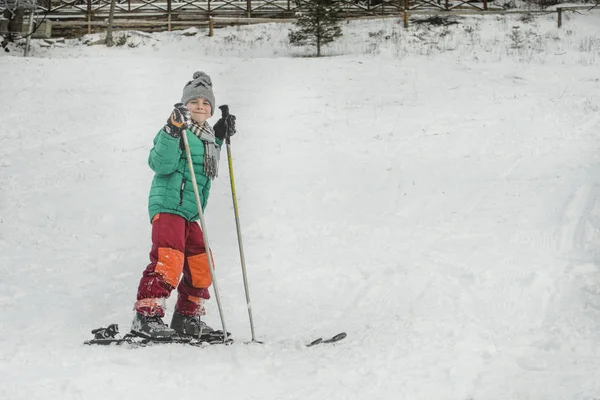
(225, 113)
(204, 233)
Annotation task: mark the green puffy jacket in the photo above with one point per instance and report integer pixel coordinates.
(172, 191)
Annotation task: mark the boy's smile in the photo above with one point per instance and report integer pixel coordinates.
(200, 110)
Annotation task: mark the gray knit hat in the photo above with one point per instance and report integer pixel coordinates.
(200, 86)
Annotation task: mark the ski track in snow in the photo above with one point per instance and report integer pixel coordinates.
(457, 249)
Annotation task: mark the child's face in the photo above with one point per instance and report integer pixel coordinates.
(199, 109)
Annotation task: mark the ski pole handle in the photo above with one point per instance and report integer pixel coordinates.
(224, 110)
(224, 114)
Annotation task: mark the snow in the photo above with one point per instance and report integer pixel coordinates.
(432, 194)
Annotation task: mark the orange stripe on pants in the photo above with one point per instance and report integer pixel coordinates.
(170, 265)
(200, 270)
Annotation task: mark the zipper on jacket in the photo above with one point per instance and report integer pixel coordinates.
(182, 186)
(181, 191)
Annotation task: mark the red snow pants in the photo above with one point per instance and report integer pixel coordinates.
(177, 247)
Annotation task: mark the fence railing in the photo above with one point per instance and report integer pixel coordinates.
(74, 17)
(67, 8)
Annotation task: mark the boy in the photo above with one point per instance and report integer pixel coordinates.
(177, 241)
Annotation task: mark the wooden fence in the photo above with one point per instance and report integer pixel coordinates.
(65, 9)
(76, 17)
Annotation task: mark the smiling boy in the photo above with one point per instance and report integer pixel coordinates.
(177, 241)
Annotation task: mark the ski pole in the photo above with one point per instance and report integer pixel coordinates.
(224, 114)
(211, 265)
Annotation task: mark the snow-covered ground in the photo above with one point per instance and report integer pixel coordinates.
(431, 192)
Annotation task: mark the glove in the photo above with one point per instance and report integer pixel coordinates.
(178, 120)
(225, 127)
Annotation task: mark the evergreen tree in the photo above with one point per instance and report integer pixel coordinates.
(317, 23)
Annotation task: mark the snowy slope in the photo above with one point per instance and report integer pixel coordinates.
(445, 216)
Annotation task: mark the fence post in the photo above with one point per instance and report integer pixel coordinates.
(211, 26)
(406, 14)
(559, 11)
(29, 31)
(89, 15)
(169, 15)
(485, 5)
(249, 8)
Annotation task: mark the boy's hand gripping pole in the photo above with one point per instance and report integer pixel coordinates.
(224, 114)
(211, 265)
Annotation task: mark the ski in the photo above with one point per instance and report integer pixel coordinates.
(130, 340)
(110, 336)
(333, 339)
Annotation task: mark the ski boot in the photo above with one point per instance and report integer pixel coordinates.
(152, 328)
(190, 326)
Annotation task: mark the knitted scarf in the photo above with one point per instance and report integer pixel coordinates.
(212, 152)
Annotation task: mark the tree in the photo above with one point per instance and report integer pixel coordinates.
(317, 23)
(109, 29)
(14, 12)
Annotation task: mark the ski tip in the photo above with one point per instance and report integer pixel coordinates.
(338, 337)
(333, 339)
(315, 342)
